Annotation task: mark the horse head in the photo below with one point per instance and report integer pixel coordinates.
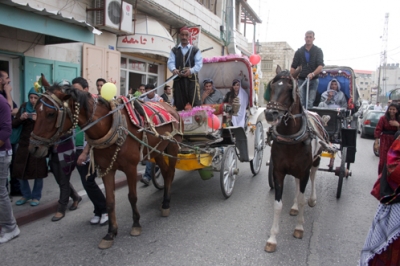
(282, 96)
(57, 115)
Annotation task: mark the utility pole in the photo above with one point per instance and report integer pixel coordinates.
(383, 58)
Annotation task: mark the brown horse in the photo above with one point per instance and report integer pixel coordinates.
(61, 108)
(295, 150)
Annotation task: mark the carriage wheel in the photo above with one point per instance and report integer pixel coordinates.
(255, 164)
(156, 177)
(342, 172)
(229, 171)
(270, 174)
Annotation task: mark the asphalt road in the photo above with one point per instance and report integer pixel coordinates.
(204, 228)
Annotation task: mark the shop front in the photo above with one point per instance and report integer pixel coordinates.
(144, 54)
(37, 41)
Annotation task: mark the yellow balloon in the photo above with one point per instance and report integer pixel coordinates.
(108, 91)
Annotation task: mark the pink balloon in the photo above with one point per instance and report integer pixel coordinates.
(255, 59)
(213, 122)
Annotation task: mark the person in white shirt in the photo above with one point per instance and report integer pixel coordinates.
(151, 96)
(377, 107)
(185, 60)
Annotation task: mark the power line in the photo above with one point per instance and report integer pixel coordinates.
(364, 56)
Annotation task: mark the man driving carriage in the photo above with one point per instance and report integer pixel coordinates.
(311, 60)
(185, 60)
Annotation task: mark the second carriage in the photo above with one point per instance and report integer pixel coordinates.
(210, 142)
(342, 125)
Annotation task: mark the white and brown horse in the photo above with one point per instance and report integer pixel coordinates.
(295, 149)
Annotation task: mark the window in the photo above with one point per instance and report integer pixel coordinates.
(366, 83)
(266, 65)
(135, 72)
(209, 4)
(361, 82)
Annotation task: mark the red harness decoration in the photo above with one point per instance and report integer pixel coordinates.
(155, 111)
(136, 119)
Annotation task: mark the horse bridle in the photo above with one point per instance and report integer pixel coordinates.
(282, 107)
(63, 110)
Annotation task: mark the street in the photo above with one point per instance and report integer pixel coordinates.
(205, 229)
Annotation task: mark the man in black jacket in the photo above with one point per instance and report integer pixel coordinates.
(311, 60)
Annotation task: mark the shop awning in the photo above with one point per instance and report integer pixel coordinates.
(150, 38)
(56, 27)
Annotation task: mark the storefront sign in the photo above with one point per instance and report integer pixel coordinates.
(195, 35)
(143, 43)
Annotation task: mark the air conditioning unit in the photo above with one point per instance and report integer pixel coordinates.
(115, 16)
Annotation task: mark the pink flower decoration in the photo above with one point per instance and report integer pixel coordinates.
(197, 109)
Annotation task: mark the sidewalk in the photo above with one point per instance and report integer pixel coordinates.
(48, 204)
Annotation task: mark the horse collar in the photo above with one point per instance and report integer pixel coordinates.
(298, 137)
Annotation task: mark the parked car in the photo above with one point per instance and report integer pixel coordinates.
(366, 109)
(369, 122)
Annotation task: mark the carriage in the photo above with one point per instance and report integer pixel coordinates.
(342, 125)
(210, 142)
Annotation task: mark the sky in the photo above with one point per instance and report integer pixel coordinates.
(348, 31)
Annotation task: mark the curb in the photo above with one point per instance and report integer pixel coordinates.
(46, 209)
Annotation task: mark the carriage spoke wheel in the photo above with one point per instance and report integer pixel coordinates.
(270, 173)
(228, 171)
(156, 177)
(255, 164)
(342, 172)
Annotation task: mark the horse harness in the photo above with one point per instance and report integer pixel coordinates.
(305, 134)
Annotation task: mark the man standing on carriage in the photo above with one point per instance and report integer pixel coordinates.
(185, 60)
(311, 60)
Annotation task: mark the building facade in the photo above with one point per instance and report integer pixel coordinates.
(273, 54)
(365, 81)
(388, 78)
(127, 41)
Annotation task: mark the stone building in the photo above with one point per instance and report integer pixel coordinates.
(389, 78)
(273, 54)
(366, 84)
(127, 41)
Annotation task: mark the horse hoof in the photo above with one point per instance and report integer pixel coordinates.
(298, 234)
(164, 212)
(270, 247)
(105, 244)
(293, 212)
(312, 203)
(136, 231)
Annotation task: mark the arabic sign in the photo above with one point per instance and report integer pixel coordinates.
(195, 35)
(142, 43)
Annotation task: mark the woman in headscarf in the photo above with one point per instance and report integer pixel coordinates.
(25, 165)
(384, 133)
(239, 92)
(382, 246)
(333, 97)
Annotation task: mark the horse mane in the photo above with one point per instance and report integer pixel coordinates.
(82, 97)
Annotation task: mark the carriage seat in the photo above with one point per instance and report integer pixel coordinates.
(335, 123)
